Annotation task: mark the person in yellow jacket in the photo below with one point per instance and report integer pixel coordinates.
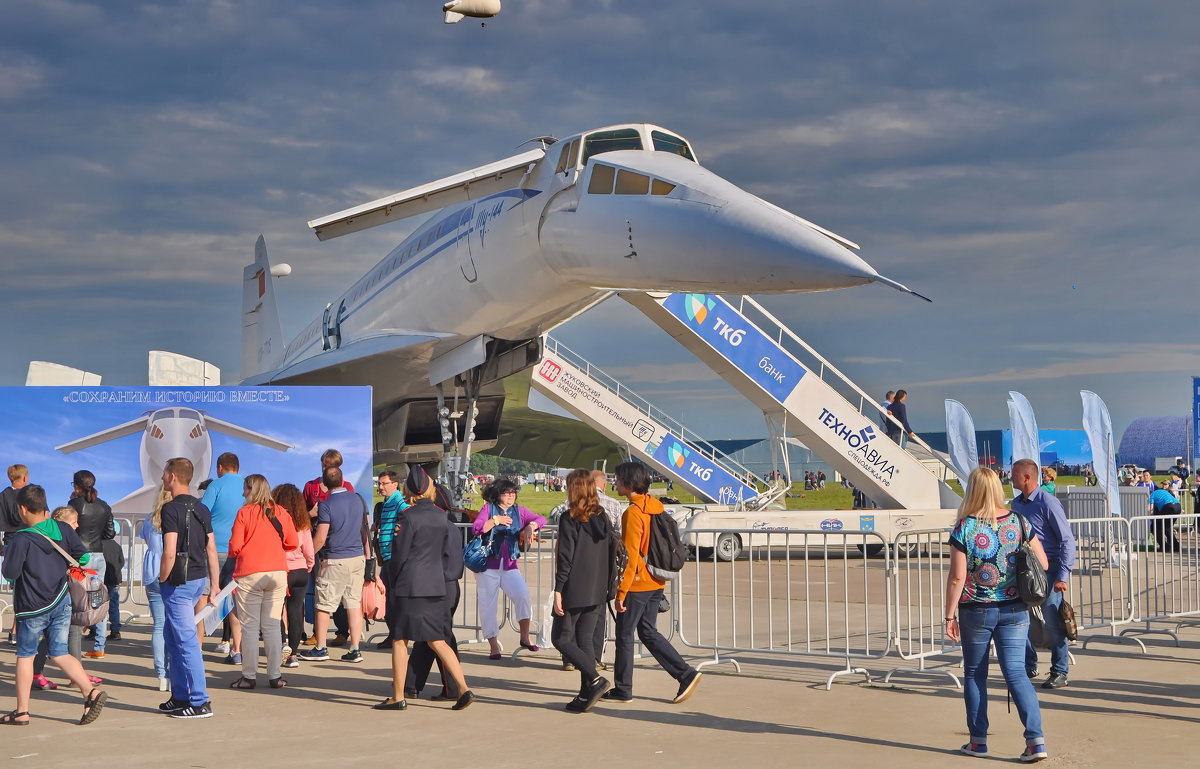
(640, 593)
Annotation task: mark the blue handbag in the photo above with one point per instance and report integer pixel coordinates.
(477, 552)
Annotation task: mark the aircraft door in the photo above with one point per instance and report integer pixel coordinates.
(462, 245)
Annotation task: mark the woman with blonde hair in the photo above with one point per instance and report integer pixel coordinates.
(583, 575)
(151, 533)
(426, 554)
(1049, 476)
(299, 564)
(983, 605)
(259, 542)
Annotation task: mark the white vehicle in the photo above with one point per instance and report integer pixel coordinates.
(727, 546)
(1165, 464)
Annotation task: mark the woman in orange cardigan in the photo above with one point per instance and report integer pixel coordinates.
(260, 539)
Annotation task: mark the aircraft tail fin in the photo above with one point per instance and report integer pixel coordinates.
(453, 18)
(262, 342)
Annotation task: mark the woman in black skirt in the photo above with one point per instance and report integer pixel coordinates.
(426, 552)
(582, 576)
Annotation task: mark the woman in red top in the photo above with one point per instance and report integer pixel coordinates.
(259, 542)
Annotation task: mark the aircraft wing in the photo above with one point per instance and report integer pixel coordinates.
(459, 188)
(112, 433)
(358, 361)
(140, 502)
(228, 428)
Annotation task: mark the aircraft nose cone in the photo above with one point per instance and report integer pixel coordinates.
(787, 251)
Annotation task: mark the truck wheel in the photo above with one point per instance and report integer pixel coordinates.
(907, 550)
(870, 551)
(729, 547)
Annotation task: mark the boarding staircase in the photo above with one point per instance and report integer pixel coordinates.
(793, 384)
(652, 436)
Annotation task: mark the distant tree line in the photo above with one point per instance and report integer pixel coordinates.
(489, 464)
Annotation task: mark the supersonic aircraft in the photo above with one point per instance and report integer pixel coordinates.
(167, 433)
(514, 249)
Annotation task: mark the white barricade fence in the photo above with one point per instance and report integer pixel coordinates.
(132, 593)
(797, 593)
(920, 566)
(1166, 577)
(1101, 585)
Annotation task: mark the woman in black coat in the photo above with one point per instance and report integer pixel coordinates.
(426, 553)
(582, 577)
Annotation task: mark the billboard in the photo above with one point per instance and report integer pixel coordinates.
(1068, 447)
(124, 435)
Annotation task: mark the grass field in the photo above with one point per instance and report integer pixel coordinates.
(832, 497)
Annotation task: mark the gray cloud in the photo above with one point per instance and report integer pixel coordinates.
(1027, 165)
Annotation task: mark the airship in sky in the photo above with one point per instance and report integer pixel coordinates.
(457, 10)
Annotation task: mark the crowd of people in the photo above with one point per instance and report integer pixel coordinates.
(277, 544)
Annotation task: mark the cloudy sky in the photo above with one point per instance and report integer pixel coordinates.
(1030, 166)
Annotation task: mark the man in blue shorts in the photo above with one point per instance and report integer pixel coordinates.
(35, 562)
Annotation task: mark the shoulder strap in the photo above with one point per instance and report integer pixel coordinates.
(276, 525)
(70, 561)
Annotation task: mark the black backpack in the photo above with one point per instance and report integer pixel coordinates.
(619, 557)
(666, 554)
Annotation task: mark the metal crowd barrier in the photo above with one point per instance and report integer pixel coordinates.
(919, 569)
(1167, 577)
(799, 593)
(1101, 584)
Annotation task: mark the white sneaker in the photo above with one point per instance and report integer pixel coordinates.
(164, 684)
(286, 650)
(222, 648)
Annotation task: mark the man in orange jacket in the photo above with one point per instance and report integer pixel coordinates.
(640, 593)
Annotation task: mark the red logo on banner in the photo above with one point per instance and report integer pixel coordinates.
(549, 370)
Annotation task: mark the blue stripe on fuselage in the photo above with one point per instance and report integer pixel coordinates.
(383, 275)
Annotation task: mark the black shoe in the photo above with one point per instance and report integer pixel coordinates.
(612, 696)
(193, 711)
(114, 636)
(595, 690)
(1055, 681)
(172, 705)
(465, 699)
(390, 704)
(384, 645)
(576, 705)
(1031, 672)
(687, 686)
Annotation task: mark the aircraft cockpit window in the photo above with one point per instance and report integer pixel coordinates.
(665, 142)
(611, 141)
(659, 187)
(602, 180)
(164, 414)
(629, 183)
(568, 158)
(188, 414)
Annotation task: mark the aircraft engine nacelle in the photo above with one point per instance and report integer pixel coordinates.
(456, 10)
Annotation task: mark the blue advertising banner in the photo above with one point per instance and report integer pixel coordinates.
(124, 435)
(1195, 418)
(1055, 446)
(727, 331)
(701, 472)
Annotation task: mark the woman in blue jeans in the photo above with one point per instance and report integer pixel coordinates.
(983, 605)
(151, 534)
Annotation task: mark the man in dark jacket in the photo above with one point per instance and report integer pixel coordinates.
(10, 515)
(899, 410)
(36, 567)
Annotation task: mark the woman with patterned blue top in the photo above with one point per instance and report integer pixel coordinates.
(983, 606)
